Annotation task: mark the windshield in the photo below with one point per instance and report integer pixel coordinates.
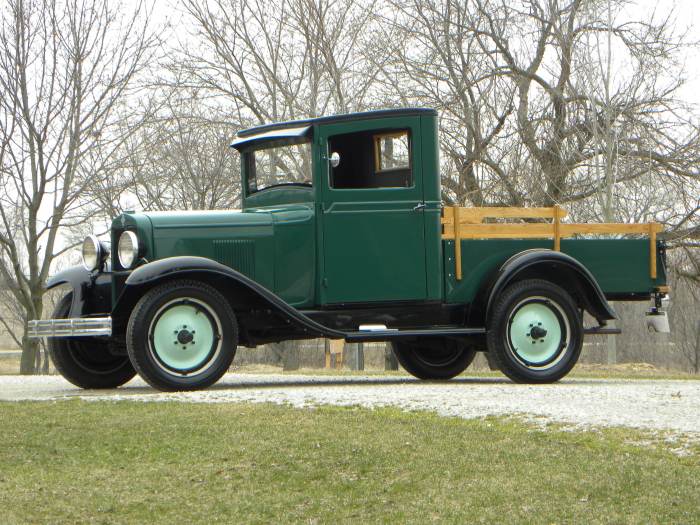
(280, 165)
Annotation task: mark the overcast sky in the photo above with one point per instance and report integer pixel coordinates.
(686, 13)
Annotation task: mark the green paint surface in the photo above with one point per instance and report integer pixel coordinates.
(373, 244)
(322, 245)
(619, 265)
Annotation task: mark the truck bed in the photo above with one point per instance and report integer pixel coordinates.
(621, 266)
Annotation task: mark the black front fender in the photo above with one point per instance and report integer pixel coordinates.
(237, 287)
(91, 290)
(560, 268)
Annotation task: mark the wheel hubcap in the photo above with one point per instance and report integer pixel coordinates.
(537, 333)
(184, 335)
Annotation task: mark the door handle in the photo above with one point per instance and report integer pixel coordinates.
(420, 206)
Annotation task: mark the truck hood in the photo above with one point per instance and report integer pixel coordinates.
(253, 242)
(208, 219)
(234, 238)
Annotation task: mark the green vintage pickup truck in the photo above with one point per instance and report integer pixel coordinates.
(342, 234)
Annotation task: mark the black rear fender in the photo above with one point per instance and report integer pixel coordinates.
(556, 267)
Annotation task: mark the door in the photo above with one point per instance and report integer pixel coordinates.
(373, 239)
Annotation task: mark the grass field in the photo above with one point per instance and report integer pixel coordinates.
(76, 461)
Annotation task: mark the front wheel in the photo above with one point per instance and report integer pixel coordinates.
(535, 332)
(434, 358)
(182, 335)
(87, 362)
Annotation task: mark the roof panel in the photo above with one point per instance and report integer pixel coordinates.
(381, 113)
(275, 134)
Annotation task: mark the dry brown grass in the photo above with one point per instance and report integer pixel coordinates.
(9, 365)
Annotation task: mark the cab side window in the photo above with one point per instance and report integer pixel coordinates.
(372, 159)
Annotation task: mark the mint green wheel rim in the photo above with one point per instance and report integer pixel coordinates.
(537, 332)
(185, 336)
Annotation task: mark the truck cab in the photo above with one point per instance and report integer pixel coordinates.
(342, 234)
(365, 195)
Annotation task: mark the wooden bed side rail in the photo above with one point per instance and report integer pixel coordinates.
(466, 223)
(477, 215)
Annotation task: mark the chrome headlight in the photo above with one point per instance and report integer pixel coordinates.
(128, 249)
(93, 253)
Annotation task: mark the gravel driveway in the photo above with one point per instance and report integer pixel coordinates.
(650, 404)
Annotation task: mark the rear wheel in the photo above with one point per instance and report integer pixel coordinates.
(535, 332)
(182, 335)
(87, 362)
(434, 358)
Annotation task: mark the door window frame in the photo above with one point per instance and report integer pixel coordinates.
(328, 193)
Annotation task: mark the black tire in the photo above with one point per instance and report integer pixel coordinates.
(436, 359)
(518, 324)
(87, 361)
(212, 355)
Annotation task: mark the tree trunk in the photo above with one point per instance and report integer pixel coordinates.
(30, 351)
(696, 364)
(46, 363)
(356, 355)
(390, 362)
(290, 355)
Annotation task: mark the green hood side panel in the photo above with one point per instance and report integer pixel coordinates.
(273, 246)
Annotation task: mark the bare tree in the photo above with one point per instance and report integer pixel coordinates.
(283, 59)
(434, 62)
(179, 158)
(685, 307)
(564, 102)
(64, 69)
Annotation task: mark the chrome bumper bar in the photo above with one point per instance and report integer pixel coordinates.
(80, 327)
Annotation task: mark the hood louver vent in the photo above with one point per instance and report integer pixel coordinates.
(237, 254)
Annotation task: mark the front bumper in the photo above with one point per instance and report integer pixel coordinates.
(77, 327)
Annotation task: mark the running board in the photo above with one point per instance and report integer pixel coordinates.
(366, 336)
(601, 330)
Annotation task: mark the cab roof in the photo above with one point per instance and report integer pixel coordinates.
(365, 115)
